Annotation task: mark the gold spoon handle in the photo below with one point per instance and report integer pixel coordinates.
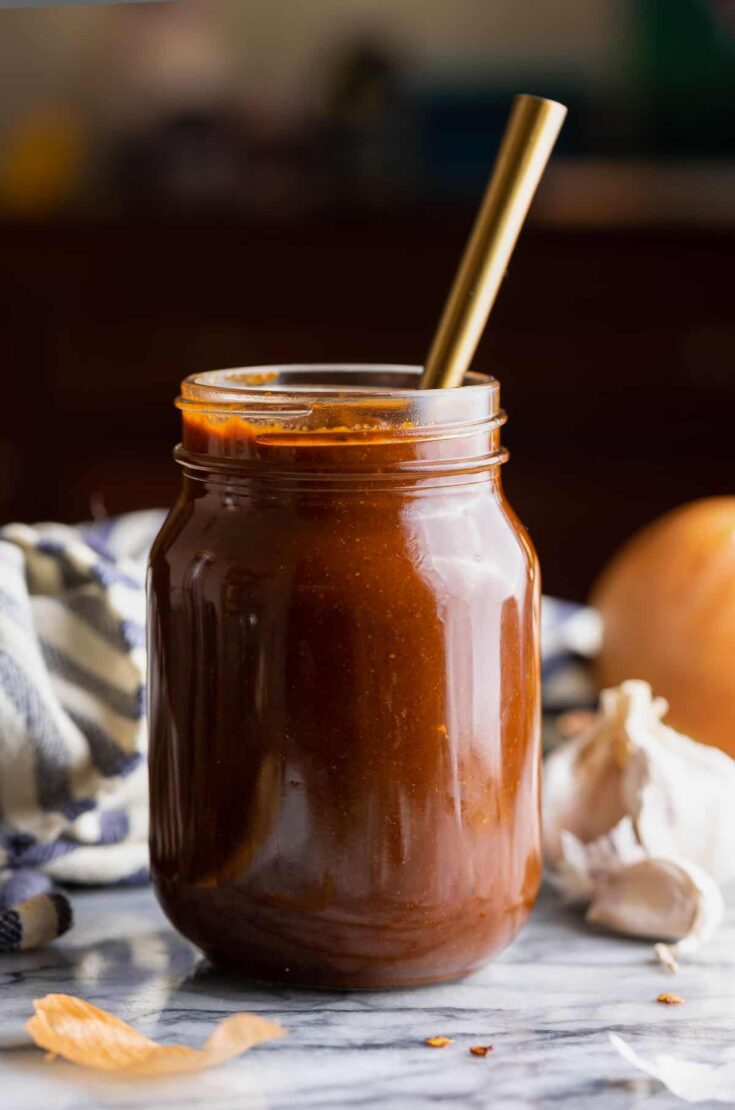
(524, 151)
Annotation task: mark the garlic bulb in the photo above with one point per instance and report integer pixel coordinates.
(638, 823)
(678, 795)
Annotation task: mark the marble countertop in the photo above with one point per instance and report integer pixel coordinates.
(547, 1004)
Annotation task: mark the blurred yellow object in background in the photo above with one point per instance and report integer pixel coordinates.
(667, 601)
(42, 166)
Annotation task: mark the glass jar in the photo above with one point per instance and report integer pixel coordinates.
(344, 679)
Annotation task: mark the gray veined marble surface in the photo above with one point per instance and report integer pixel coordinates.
(546, 1004)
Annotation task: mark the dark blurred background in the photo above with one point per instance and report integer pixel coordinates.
(191, 185)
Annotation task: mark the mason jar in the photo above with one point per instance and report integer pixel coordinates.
(343, 679)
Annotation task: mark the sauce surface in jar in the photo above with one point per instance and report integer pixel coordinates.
(344, 680)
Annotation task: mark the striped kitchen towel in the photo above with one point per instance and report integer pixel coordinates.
(73, 780)
(73, 786)
(570, 637)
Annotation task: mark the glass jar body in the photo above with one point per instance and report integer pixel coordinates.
(344, 723)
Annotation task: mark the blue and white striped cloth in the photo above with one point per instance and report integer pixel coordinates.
(570, 637)
(73, 777)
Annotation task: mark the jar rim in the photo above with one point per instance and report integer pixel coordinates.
(349, 416)
(334, 399)
(275, 384)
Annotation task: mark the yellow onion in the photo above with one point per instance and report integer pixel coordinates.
(667, 601)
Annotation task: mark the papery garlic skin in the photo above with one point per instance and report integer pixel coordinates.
(690, 1080)
(677, 795)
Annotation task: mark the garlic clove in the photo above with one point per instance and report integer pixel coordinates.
(659, 899)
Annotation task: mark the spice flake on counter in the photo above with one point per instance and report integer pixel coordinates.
(439, 1042)
(482, 1049)
(669, 999)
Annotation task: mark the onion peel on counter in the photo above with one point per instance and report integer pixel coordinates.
(82, 1033)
